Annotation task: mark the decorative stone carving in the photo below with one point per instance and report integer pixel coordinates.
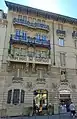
(63, 79)
(40, 81)
(9, 67)
(17, 80)
(27, 67)
(73, 86)
(33, 67)
(54, 86)
(29, 85)
(49, 68)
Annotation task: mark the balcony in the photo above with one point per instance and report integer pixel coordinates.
(27, 59)
(60, 32)
(30, 24)
(29, 41)
(74, 34)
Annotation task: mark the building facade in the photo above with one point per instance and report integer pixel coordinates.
(40, 60)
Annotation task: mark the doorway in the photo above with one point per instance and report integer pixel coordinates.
(65, 99)
(40, 98)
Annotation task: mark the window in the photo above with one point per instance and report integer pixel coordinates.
(19, 16)
(17, 32)
(24, 17)
(61, 42)
(62, 59)
(34, 20)
(43, 54)
(75, 43)
(9, 96)
(30, 19)
(22, 96)
(60, 26)
(38, 36)
(15, 96)
(39, 20)
(16, 51)
(38, 54)
(74, 29)
(44, 37)
(43, 21)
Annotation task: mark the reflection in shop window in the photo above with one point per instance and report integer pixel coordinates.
(41, 98)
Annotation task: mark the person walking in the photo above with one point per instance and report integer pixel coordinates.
(72, 109)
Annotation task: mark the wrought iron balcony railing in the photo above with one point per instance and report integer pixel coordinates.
(32, 25)
(60, 32)
(29, 41)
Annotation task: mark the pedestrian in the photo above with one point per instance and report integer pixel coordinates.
(72, 109)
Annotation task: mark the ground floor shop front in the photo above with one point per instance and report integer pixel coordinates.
(22, 95)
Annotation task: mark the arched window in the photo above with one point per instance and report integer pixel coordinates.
(15, 96)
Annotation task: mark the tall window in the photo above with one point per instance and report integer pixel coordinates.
(75, 43)
(15, 96)
(19, 16)
(24, 17)
(39, 20)
(61, 42)
(62, 59)
(22, 96)
(60, 26)
(9, 96)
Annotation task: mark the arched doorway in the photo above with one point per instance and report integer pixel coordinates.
(65, 98)
(41, 98)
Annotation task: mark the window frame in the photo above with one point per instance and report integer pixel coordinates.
(60, 42)
(20, 98)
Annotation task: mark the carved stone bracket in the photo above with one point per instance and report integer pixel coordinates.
(33, 67)
(49, 68)
(54, 86)
(9, 67)
(27, 67)
(73, 86)
(29, 85)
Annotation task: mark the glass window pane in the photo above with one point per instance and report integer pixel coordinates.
(24, 17)
(19, 16)
(16, 94)
(22, 96)
(61, 42)
(9, 96)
